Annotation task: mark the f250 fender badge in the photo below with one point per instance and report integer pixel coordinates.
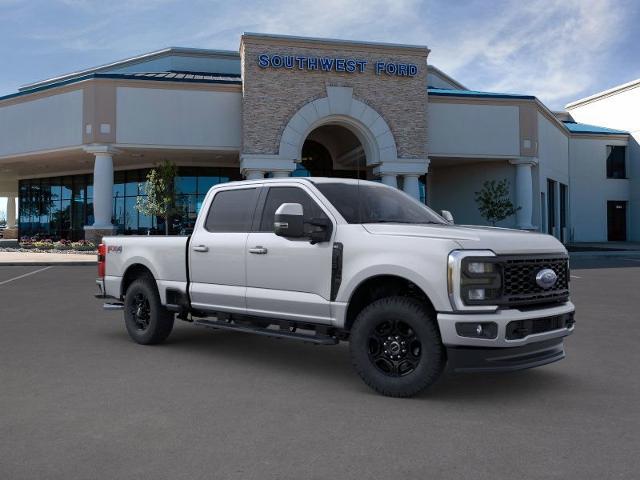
(546, 278)
(114, 249)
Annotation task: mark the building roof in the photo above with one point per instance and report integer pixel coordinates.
(175, 75)
(604, 93)
(575, 127)
(436, 71)
(171, 76)
(445, 92)
(145, 57)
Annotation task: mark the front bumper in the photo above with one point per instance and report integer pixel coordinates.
(450, 337)
(489, 360)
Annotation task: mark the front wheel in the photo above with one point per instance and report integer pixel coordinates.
(396, 348)
(147, 321)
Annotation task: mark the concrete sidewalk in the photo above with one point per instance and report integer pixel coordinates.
(36, 259)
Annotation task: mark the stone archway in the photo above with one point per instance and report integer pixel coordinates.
(340, 108)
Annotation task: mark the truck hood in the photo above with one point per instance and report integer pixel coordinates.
(499, 240)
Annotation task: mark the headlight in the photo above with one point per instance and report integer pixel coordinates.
(474, 280)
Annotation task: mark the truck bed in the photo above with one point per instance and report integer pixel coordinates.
(164, 256)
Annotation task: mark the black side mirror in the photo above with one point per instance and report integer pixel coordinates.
(289, 221)
(321, 230)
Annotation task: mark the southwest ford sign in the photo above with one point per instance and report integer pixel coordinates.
(334, 64)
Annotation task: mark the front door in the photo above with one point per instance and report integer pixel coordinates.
(617, 221)
(217, 259)
(288, 278)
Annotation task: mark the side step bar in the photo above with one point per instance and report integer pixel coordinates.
(113, 306)
(222, 325)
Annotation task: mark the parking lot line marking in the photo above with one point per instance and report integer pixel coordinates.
(25, 275)
(575, 276)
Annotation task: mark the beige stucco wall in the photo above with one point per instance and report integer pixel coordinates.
(272, 96)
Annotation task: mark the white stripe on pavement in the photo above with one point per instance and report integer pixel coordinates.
(25, 275)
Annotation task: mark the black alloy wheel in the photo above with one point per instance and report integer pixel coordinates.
(141, 311)
(396, 347)
(146, 319)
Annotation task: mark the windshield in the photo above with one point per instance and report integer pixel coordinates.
(366, 203)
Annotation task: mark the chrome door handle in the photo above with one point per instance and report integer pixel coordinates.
(200, 248)
(258, 250)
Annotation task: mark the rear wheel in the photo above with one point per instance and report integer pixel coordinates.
(147, 321)
(396, 348)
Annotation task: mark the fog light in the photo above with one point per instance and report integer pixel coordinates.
(477, 329)
(476, 294)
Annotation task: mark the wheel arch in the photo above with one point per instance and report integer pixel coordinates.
(380, 286)
(133, 272)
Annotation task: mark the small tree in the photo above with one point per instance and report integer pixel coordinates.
(160, 193)
(493, 201)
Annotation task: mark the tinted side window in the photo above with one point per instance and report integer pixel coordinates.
(279, 195)
(232, 211)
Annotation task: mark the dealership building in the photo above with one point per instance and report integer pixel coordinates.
(75, 150)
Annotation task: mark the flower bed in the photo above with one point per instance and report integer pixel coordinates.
(47, 245)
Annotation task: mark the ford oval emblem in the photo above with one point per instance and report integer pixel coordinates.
(546, 278)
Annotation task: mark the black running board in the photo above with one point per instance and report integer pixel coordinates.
(267, 332)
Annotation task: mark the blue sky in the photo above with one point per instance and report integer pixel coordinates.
(558, 50)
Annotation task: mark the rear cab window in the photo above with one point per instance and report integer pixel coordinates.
(232, 211)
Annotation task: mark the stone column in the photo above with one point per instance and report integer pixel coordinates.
(409, 169)
(411, 185)
(253, 174)
(102, 193)
(254, 166)
(390, 179)
(524, 191)
(11, 212)
(11, 232)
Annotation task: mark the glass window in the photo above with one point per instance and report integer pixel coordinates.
(65, 207)
(205, 183)
(131, 184)
(368, 203)
(616, 161)
(130, 216)
(279, 195)
(67, 188)
(118, 184)
(232, 211)
(90, 186)
(186, 185)
(118, 214)
(145, 224)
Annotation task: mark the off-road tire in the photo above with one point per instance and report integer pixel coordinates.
(417, 328)
(147, 321)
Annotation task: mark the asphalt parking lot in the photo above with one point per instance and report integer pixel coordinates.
(79, 400)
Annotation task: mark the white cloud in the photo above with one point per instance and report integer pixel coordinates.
(554, 49)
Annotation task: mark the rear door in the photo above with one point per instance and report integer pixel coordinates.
(617, 221)
(217, 260)
(288, 278)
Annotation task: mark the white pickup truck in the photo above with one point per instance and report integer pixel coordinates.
(325, 259)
